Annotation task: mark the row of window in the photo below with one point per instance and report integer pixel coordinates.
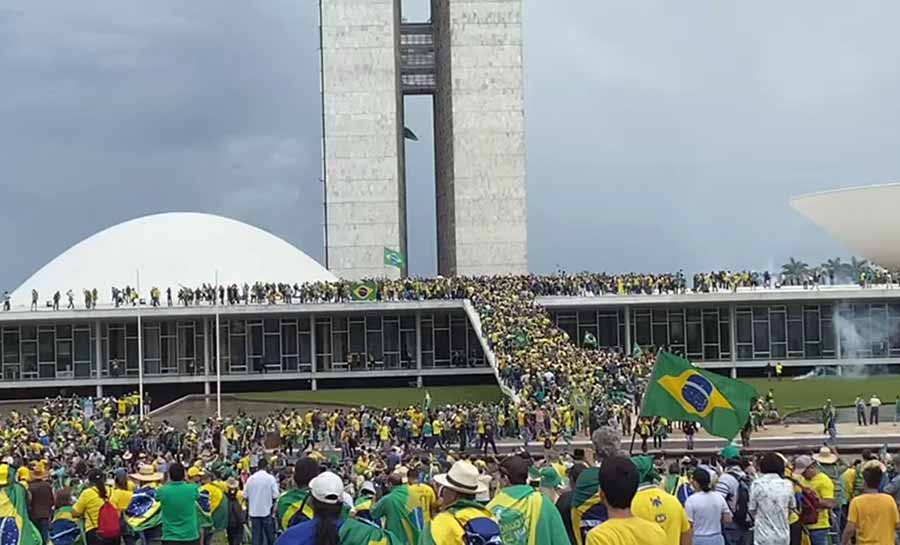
(761, 332)
(271, 345)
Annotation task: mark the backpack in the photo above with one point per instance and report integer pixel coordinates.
(481, 531)
(108, 522)
(742, 517)
(236, 515)
(808, 502)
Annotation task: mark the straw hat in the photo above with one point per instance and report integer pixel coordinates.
(127, 456)
(463, 478)
(825, 456)
(147, 473)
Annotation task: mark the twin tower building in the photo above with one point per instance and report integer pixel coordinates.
(468, 57)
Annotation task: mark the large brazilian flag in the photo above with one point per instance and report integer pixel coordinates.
(143, 513)
(64, 528)
(680, 391)
(213, 507)
(588, 508)
(526, 517)
(15, 526)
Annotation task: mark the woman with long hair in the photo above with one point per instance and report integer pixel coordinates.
(706, 510)
(88, 506)
(329, 525)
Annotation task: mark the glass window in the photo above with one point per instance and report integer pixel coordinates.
(10, 347)
(711, 328)
(339, 323)
(373, 323)
(63, 332)
(441, 345)
(744, 329)
(811, 325)
(374, 346)
(64, 356)
(587, 317)
(357, 337)
(238, 351)
(779, 350)
(273, 350)
(151, 344)
(391, 336)
(270, 325)
(305, 349)
(323, 336)
(676, 329)
(82, 346)
(609, 330)
(779, 331)
(427, 340)
(724, 339)
(289, 339)
(694, 338)
(660, 335)
(29, 332)
(795, 336)
(46, 351)
(642, 329)
(761, 337)
(407, 321)
(441, 320)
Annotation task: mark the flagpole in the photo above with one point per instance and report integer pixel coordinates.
(218, 355)
(140, 350)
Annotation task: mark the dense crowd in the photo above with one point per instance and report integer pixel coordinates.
(90, 471)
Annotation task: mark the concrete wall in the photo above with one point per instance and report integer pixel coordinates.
(363, 136)
(480, 140)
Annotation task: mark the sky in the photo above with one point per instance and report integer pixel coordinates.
(660, 135)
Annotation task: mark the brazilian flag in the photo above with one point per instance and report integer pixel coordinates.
(364, 291)
(143, 513)
(680, 391)
(293, 507)
(15, 526)
(588, 509)
(64, 528)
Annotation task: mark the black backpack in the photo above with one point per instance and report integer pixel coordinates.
(741, 516)
(236, 515)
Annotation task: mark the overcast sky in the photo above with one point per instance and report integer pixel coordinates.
(661, 135)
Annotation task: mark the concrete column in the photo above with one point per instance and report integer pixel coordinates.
(628, 344)
(734, 372)
(206, 355)
(312, 346)
(419, 349)
(313, 385)
(837, 331)
(99, 390)
(732, 330)
(98, 345)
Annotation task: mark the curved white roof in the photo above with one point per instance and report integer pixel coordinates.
(171, 249)
(862, 218)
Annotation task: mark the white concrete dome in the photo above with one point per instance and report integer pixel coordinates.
(862, 218)
(171, 250)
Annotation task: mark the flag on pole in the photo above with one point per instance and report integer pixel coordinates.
(636, 351)
(364, 291)
(680, 391)
(393, 258)
(426, 404)
(590, 341)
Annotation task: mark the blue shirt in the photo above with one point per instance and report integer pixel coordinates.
(301, 534)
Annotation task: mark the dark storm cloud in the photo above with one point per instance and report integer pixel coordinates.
(659, 135)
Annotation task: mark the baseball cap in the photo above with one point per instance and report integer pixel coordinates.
(327, 488)
(368, 486)
(194, 471)
(801, 463)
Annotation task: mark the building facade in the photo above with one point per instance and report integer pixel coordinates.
(469, 58)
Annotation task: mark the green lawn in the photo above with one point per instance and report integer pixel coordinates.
(791, 395)
(383, 397)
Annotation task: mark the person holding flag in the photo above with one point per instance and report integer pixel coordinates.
(17, 527)
(526, 516)
(401, 511)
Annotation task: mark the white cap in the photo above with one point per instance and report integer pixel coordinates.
(327, 488)
(368, 486)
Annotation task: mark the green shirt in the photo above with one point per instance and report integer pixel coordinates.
(178, 508)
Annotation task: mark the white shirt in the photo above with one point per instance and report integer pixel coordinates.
(705, 510)
(261, 492)
(771, 498)
(874, 402)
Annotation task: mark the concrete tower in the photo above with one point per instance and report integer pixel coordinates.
(469, 58)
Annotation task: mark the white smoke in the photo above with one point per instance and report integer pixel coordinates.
(859, 340)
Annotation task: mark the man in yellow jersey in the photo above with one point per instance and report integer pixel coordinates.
(619, 484)
(807, 471)
(424, 494)
(655, 505)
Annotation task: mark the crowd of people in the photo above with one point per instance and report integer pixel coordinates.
(90, 471)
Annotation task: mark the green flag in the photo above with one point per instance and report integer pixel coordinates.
(17, 527)
(636, 351)
(580, 401)
(393, 258)
(426, 404)
(590, 341)
(364, 291)
(526, 517)
(680, 391)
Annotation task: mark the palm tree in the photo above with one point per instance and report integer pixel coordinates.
(838, 269)
(833, 266)
(795, 269)
(857, 267)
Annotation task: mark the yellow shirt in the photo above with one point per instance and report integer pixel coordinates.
(848, 477)
(629, 531)
(653, 504)
(875, 517)
(425, 497)
(822, 485)
(88, 506)
(120, 498)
